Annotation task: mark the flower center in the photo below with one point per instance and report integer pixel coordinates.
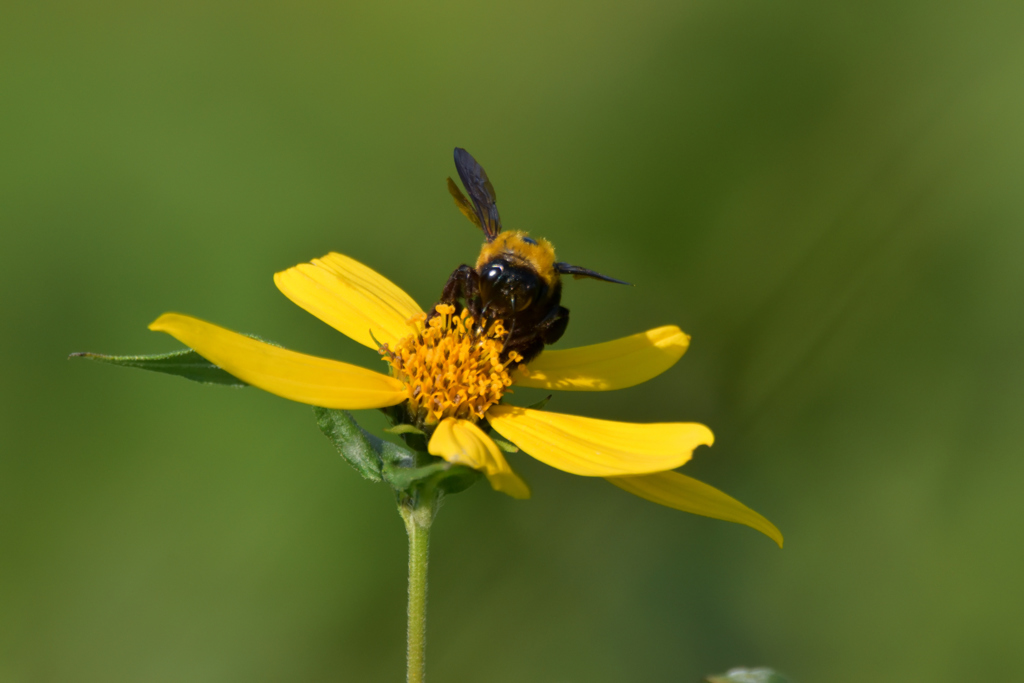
(452, 366)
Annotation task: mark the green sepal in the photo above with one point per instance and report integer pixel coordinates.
(504, 445)
(403, 469)
(458, 479)
(366, 453)
(414, 438)
(403, 478)
(539, 405)
(404, 429)
(443, 475)
(759, 675)
(185, 363)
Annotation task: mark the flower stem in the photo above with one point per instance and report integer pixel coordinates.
(418, 517)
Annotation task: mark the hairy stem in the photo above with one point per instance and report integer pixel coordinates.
(418, 517)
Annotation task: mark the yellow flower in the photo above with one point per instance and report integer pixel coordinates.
(449, 375)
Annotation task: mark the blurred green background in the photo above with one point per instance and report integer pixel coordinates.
(827, 196)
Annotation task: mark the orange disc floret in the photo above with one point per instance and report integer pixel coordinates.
(451, 367)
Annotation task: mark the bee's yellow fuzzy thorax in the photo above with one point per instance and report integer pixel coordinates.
(510, 244)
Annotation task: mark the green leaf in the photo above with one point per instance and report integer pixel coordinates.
(759, 675)
(367, 453)
(185, 363)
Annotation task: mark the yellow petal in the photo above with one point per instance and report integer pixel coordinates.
(616, 364)
(598, 448)
(684, 493)
(463, 443)
(307, 379)
(350, 297)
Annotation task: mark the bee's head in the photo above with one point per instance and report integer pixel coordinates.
(515, 271)
(506, 288)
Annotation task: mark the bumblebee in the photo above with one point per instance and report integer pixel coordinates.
(516, 278)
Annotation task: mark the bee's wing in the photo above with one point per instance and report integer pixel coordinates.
(464, 206)
(577, 273)
(480, 190)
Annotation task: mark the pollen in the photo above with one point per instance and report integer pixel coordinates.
(451, 366)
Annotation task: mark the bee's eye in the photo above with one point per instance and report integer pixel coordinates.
(493, 272)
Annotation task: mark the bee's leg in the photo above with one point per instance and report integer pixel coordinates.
(549, 330)
(463, 284)
(552, 327)
(528, 348)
